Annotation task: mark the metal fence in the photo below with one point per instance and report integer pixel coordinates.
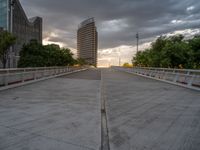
(183, 77)
(21, 75)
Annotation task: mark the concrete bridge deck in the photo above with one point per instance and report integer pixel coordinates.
(65, 113)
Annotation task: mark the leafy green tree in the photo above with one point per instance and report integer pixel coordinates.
(195, 46)
(81, 61)
(127, 65)
(32, 55)
(52, 56)
(173, 52)
(68, 56)
(37, 55)
(6, 41)
(141, 59)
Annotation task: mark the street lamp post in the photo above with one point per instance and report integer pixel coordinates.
(11, 8)
(109, 62)
(137, 38)
(12, 3)
(119, 57)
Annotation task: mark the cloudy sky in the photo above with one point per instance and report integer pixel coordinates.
(117, 22)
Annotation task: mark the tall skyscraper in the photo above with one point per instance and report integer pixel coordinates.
(14, 20)
(87, 41)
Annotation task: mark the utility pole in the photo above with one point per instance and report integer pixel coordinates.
(137, 38)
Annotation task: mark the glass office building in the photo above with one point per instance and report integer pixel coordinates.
(4, 14)
(14, 20)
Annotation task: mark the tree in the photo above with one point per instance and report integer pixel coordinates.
(35, 54)
(173, 52)
(127, 65)
(63, 57)
(195, 46)
(81, 61)
(32, 55)
(52, 56)
(142, 58)
(6, 41)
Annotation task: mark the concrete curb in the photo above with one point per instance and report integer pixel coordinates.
(34, 81)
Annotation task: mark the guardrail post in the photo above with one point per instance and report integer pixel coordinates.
(42, 73)
(162, 74)
(151, 72)
(191, 80)
(176, 77)
(22, 76)
(35, 74)
(165, 75)
(6, 76)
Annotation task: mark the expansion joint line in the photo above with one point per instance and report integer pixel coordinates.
(104, 124)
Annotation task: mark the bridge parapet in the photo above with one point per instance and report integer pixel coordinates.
(183, 77)
(14, 77)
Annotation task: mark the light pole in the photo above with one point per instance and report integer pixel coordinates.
(11, 8)
(12, 3)
(119, 57)
(137, 38)
(109, 62)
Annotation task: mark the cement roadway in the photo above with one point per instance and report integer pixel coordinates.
(65, 114)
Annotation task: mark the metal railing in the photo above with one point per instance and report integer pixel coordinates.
(183, 77)
(21, 75)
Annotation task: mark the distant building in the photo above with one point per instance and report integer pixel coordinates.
(14, 20)
(87, 41)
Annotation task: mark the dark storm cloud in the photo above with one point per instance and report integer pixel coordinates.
(117, 20)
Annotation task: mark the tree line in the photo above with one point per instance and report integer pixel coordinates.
(35, 54)
(171, 52)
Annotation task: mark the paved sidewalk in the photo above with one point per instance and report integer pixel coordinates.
(145, 114)
(65, 114)
(91, 74)
(56, 114)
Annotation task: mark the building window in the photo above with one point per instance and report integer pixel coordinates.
(3, 13)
